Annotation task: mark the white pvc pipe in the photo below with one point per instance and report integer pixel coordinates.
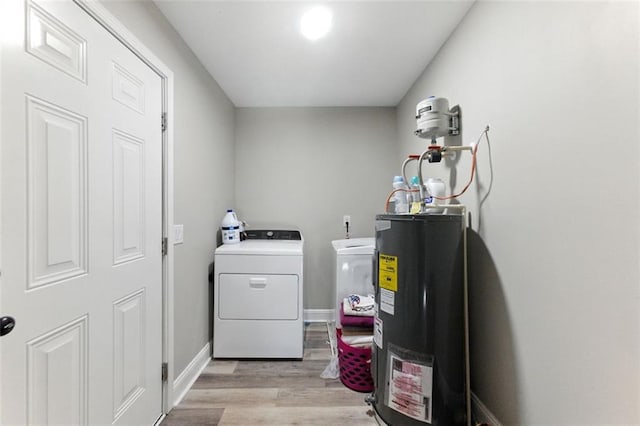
(422, 195)
(453, 206)
(404, 172)
(457, 148)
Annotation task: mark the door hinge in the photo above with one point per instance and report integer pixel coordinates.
(165, 246)
(164, 121)
(165, 371)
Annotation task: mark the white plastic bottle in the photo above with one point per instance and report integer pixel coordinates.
(436, 188)
(400, 197)
(230, 228)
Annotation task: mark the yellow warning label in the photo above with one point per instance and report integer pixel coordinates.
(388, 272)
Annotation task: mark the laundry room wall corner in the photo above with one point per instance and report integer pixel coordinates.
(308, 167)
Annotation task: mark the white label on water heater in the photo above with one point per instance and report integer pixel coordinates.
(387, 301)
(410, 388)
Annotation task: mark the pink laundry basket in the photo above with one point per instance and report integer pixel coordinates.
(355, 366)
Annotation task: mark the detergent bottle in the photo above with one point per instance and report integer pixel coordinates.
(230, 228)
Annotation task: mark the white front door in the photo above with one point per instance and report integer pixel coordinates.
(81, 194)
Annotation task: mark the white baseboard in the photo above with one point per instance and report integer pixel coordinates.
(319, 315)
(481, 412)
(185, 380)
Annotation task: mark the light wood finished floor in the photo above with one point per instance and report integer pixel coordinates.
(273, 392)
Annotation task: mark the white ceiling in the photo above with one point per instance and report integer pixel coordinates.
(371, 57)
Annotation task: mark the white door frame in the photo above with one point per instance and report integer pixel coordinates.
(126, 37)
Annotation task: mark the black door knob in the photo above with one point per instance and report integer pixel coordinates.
(6, 325)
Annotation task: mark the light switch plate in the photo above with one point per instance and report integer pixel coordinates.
(178, 234)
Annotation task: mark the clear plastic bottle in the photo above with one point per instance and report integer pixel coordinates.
(230, 228)
(415, 187)
(400, 197)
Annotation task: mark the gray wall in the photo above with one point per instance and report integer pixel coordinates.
(554, 249)
(203, 170)
(310, 166)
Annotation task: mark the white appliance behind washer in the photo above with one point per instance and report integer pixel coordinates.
(257, 296)
(353, 267)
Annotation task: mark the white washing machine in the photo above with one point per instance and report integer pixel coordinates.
(257, 296)
(352, 266)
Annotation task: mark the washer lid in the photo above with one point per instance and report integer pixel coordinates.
(263, 247)
(354, 246)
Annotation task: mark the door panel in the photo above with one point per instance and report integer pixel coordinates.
(129, 348)
(57, 373)
(127, 88)
(81, 222)
(57, 146)
(128, 197)
(56, 44)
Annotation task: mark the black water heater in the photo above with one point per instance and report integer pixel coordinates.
(418, 360)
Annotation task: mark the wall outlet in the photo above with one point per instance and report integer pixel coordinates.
(345, 219)
(178, 234)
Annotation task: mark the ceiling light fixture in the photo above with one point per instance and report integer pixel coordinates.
(316, 23)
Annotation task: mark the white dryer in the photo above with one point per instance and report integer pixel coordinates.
(258, 298)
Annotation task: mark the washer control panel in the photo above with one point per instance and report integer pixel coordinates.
(272, 234)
